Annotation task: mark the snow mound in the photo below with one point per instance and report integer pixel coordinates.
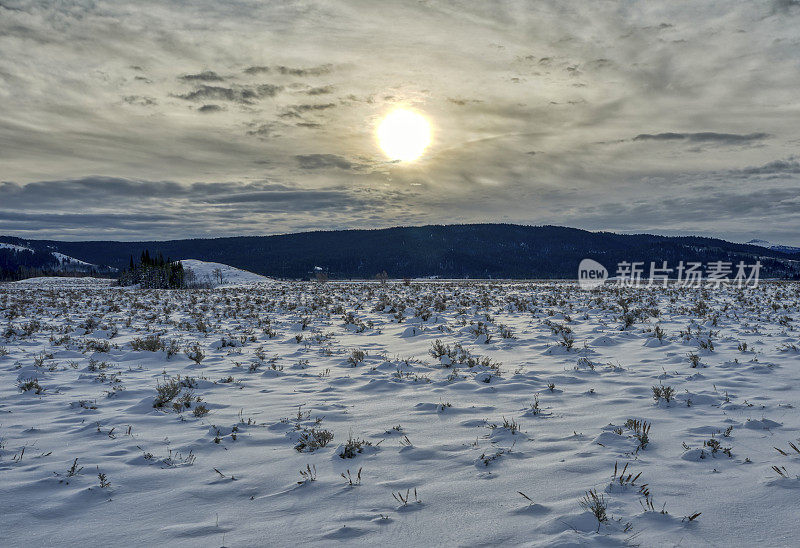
(212, 273)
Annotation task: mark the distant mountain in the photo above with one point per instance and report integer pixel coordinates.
(20, 260)
(450, 251)
(782, 248)
(59, 261)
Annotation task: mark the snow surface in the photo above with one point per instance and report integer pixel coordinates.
(775, 247)
(70, 260)
(205, 271)
(279, 362)
(14, 247)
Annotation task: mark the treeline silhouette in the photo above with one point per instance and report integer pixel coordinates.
(154, 272)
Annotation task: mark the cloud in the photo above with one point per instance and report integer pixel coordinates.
(321, 161)
(95, 192)
(311, 199)
(290, 71)
(237, 94)
(684, 212)
(90, 190)
(205, 76)
(788, 166)
(256, 70)
(209, 108)
(140, 100)
(322, 90)
(785, 6)
(261, 130)
(462, 102)
(86, 207)
(703, 137)
(311, 71)
(296, 111)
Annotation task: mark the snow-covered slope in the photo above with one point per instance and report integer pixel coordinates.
(65, 262)
(775, 247)
(14, 247)
(208, 272)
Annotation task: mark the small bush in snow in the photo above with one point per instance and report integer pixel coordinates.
(150, 343)
(31, 385)
(312, 439)
(663, 392)
(352, 447)
(195, 353)
(166, 392)
(595, 503)
(356, 357)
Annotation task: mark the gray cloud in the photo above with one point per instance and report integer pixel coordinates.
(290, 71)
(162, 205)
(462, 102)
(261, 130)
(140, 100)
(320, 161)
(256, 70)
(322, 90)
(205, 76)
(717, 205)
(238, 94)
(788, 166)
(703, 137)
(311, 71)
(310, 199)
(785, 6)
(296, 111)
(209, 108)
(98, 191)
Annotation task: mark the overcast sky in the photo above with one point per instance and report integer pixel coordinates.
(170, 119)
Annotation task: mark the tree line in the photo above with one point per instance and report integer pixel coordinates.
(155, 273)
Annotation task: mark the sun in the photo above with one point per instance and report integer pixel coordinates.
(404, 135)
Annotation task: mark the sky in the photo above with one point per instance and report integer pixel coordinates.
(174, 119)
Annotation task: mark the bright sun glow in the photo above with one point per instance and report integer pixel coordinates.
(404, 135)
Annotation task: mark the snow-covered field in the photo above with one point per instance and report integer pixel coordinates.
(302, 413)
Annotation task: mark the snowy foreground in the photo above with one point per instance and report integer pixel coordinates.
(300, 413)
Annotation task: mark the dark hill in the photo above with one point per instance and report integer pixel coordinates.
(451, 251)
